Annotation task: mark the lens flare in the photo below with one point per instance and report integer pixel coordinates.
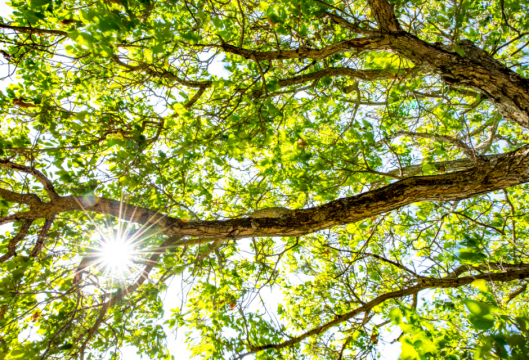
(117, 252)
(116, 255)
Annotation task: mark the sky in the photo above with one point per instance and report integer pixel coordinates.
(175, 341)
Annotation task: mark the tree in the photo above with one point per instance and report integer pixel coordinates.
(364, 161)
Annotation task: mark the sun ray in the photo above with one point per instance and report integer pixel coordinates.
(118, 252)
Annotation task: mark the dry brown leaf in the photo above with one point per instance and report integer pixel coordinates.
(271, 22)
(67, 22)
(21, 103)
(302, 143)
(35, 316)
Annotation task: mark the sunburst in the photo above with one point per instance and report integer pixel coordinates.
(116, 254)
(119, 252)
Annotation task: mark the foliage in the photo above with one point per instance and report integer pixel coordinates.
(206, 111)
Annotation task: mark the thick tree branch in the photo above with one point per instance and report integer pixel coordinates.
(48, 186)
(28, 199)
(384, 15)
(16, 217)
(477, 69)
(508, 90)
(473, 52)
(486, 267)
(495, 174)
(31, 30)
(492, 174)
(362, 44)
(364, 75)
(12, 246)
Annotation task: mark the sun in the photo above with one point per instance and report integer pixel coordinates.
(116, 254)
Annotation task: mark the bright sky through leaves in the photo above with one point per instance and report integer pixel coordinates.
(291, 179)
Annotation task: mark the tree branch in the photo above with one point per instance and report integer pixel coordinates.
(442, 166)
(354, 27)
(486, 267)
(469, 153)
(508, 90)
(28, 199)
(12, 246)
(164, 74)
(361, 44)
(31, 30)
(365, 75)
(384, 15)
(48, 186)
(476, 69)
(422, 283)
(515, 293)
(43, 234)
(493, 173)
(195, 98)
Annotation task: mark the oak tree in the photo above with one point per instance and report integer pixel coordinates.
(311, 173)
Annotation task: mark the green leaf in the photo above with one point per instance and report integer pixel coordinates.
(482, 322)
(407, 349)
(39, 3)
(481, 285)
(303, 31)
(81, 115)
(396, 315)
(17, 353)
(478, 308)
(273, 85)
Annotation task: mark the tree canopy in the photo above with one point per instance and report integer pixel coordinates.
(356, 166)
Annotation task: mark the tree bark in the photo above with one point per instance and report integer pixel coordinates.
(491, 174)
(508, 90)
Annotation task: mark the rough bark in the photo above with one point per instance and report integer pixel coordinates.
(508, 90)
(364, 75)
(476, 69)
(361, 44)
(43, 235)
(12, 246)
(493, 173)
(386, 20)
